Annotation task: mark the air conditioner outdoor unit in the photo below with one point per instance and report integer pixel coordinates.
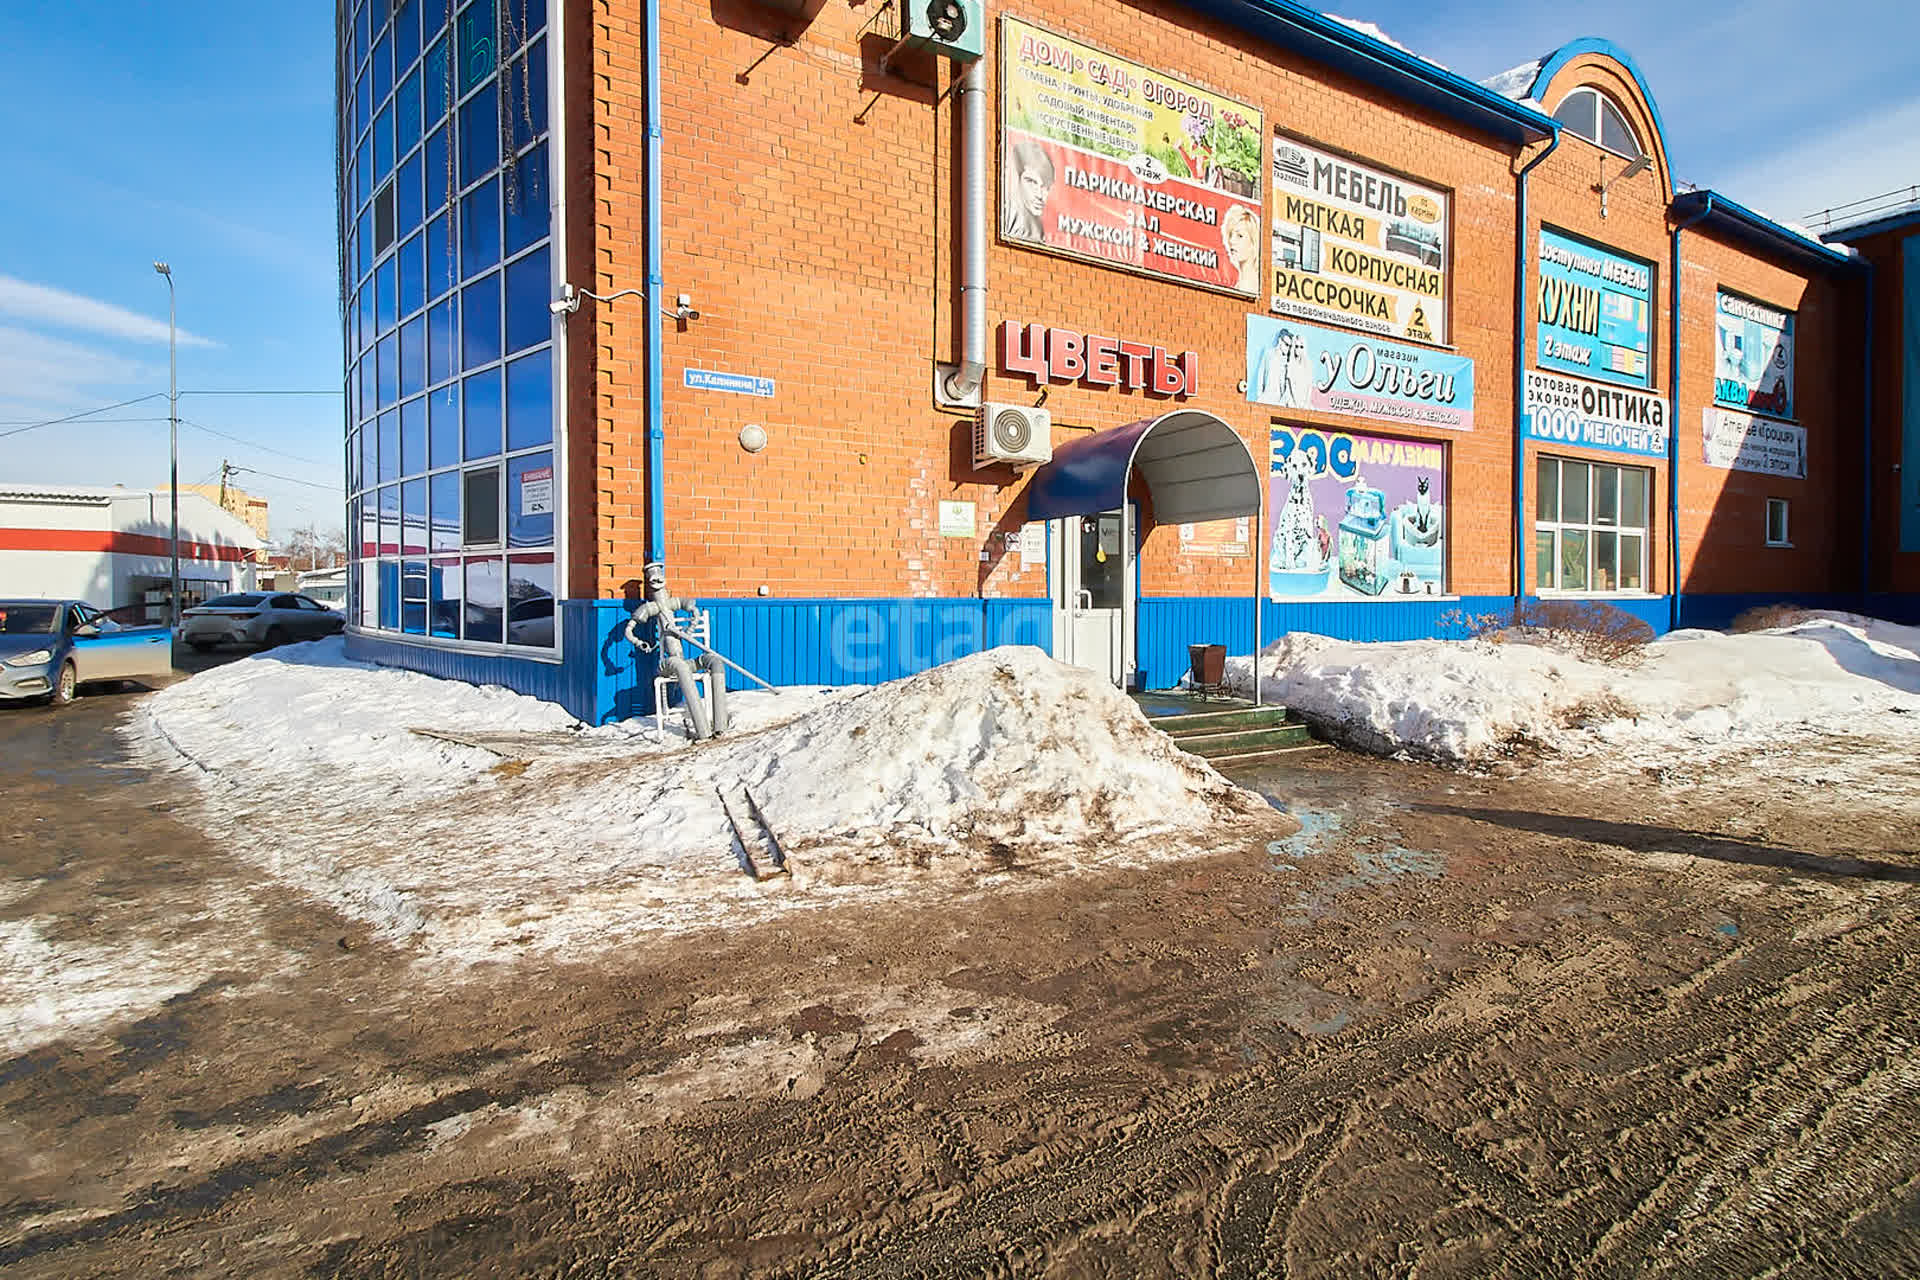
(956, 28)
(1012, 433)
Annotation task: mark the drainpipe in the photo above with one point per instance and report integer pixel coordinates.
(1520, 243)
(1673, 426)
(963, 383)
(1866, 454)
(656, 416)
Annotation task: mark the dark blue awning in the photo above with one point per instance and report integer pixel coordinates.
(1196, 467)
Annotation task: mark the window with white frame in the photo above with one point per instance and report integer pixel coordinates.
(1595, 117)
(1777, 523)
(1590, 526)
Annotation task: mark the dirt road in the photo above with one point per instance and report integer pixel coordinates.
(1457, 1027)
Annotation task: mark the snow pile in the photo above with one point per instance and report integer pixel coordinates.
(1515, 82)
(1693, 694)
(992, 768)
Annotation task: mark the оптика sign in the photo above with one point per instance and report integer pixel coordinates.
(1590, 415)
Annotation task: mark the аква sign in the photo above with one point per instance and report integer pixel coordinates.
(1594, 312)
(1587, 415)
(1294, 365)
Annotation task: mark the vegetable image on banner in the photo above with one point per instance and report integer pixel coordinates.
(1354, 245)
(1753, 357)
(1594, 312)
(1295, 365)
(1356, 517)
(1105, 159)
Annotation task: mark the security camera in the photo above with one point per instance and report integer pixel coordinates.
(567, 303)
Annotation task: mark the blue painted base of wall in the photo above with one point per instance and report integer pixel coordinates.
(600, 677)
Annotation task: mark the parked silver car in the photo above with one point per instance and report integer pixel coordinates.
(258, 618)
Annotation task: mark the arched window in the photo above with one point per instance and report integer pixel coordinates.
(1593, 116)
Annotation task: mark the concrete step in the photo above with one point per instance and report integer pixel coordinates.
(1203, 722)
(1254, 757)
(1241, 741)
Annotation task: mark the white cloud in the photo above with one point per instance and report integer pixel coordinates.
(51, 373)
(45, 305)
(1872, 153)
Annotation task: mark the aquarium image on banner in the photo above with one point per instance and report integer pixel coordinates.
(1355, 517)
(1106, 159)
(1594, 312)
(1358, 246)
(1295, 365)
(1753, 357)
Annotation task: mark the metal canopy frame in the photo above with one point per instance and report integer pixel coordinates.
(1196, 468)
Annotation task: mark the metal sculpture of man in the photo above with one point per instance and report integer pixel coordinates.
(661, 609)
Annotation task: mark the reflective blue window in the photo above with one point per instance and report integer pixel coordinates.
(443, 425)
(530, 400)
(436, 83)
(413, 275)
(528, 214)
(383, 144)
(381, 69)
(406, 113)
(474, 43)
(386, 299)
(479, 136)
(413, 356)
(529, 290)
(480, 229)
(443, 341)
(390, 445)
(481, 438)
(362, 103)
(525, 107)
(390, 594)
(439, 176)
(406, 34)
(363, 172)
(530, 602)
(443, 594)
(413, 519)
(361, 33)
(413, 437)
(480, 322)
(408, 203)
(369, 455)
(367, 332)
(445, 508)
(520, 19)
(369, 394)
(486, 593)
(364, 240)
(530, 492)
(389, 369)
(443, 268)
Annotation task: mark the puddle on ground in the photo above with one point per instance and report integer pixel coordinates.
(1375, 860)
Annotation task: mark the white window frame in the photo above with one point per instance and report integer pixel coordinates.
(1591, 526)
(1786, 529)
(1600, 102)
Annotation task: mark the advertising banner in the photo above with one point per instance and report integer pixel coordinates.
(1295, 365)
(1587, 415)
(1356, 245)
(1736, 441)
(1218, 538)
(536, 491)
(1594, 313)
(1355, 517)
(1753, 357)
(1106, 159)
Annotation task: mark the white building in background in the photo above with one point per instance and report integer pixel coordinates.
(109, 547)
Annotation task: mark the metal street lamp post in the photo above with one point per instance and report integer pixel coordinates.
(173, 458)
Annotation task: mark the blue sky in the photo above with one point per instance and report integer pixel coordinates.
(201, 133)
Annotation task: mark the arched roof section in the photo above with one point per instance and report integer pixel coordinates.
(1196, 467)
(1601, 64)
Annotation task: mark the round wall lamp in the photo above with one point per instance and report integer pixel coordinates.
(753, 437)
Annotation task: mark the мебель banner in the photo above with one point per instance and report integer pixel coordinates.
(1594, 312)
(1109, 160)
(1753, 360)
(1589, 415)
(1736, 441)
(1355, 517)
(1295, 365)
(1356, 245)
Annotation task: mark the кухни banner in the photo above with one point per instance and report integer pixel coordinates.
(1594, 312)
(1358, 246)
(1355, 517)
(1105, 159)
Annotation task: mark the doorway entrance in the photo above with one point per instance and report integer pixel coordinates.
(1093, 593)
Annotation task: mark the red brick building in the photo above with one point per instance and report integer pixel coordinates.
(1069, 324)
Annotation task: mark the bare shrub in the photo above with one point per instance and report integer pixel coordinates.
(1588, 629)
(1766, 617)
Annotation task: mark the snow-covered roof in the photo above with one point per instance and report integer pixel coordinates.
(1515, 82)
(88, 493)
(1373, 31)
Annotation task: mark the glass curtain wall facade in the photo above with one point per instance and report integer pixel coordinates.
(452, 471)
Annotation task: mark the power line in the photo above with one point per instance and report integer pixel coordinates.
(252, 444)
(335, 392)
(85, 413)
(15, 422)
(289, 479)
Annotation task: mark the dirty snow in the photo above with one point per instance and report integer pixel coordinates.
(51, 987)
(962, 778)
(1694, 696)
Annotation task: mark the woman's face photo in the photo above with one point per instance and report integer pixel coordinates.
(1239, 241)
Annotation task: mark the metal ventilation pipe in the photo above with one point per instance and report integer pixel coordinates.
(964, 381)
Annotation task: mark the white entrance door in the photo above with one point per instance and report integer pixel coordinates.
(1093, 593)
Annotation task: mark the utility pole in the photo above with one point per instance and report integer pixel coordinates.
(173, 456)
